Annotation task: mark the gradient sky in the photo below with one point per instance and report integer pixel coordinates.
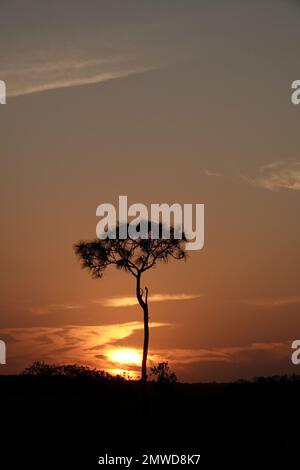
(164, 101)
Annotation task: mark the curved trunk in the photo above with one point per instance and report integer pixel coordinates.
(144, 304)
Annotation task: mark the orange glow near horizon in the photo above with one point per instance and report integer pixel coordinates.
(123, 359)
(125, 356)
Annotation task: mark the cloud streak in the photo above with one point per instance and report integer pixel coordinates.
(274, 176)
(52, 308)
(51, 76)
(208, 172)
(91, 44)
(87, 345)
(87, 48)
(229, 354)
(277, 175)
(97, 346)
(130, 301)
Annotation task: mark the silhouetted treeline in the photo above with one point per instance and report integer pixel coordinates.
(73, 406)
(43, 369)
(161, 373)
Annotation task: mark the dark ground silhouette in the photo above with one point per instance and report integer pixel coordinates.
(73, 409)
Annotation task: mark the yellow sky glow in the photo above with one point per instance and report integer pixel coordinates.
(132, 300)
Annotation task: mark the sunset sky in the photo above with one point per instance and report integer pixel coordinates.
(163, 101)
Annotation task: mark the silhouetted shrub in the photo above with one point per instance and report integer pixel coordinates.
(162, 374)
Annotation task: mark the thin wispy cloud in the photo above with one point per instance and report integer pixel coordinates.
(121, 301)
(51, 76)
(47, 309)
(89, 47)
(131, 300)
(230, 354)
(276, 176)
(208, 172)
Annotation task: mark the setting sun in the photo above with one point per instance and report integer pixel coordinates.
(125, 356)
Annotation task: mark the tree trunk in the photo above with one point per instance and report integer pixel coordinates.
(144, 304)
(146, 343)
